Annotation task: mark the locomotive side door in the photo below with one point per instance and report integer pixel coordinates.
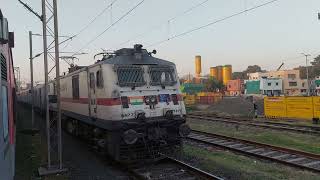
(92, 93)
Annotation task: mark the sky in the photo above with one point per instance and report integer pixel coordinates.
(267, 36)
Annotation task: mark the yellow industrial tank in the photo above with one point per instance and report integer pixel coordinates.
(214, 72)
(219, 73)
(227, 73)
(198, 64)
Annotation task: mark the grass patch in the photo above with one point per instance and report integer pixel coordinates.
(30, 149)
(303, 142)
(232, 166)
(28, 156)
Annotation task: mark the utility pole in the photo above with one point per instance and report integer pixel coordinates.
(307, 69)
(56, 41)
(53, 123)
(45, 55)
(31, 79)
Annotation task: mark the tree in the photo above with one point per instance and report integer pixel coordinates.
(239, 75)
(316, 61)
(314, 69)
(213, 84)
(253, 69)
(243, 74)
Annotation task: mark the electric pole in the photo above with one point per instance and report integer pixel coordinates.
(307, 71)
(56, 44)
(31, 80)
(53, 120)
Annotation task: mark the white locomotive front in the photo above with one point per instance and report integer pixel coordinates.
(128, 103)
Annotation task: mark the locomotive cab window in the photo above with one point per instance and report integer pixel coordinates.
(75, 87)
(99, 79)
(162, 76)
(130, 76)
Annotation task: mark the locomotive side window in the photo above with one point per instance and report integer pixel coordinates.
(3, 67)
(75, 87)
(5, 118)
(130, 76)
(4, 97)
(99, 79)
(92, 80)
(162, 76)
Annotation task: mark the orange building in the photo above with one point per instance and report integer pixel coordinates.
(235, 87)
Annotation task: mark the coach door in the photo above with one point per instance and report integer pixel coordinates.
(92, 95)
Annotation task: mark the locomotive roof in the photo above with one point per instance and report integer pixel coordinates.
(126, 56)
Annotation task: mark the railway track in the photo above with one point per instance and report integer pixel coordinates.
(262, 124)
(300, 159)
(170, 168)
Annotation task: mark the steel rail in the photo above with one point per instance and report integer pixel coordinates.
(291, 157)
(262, 124)
(183, 169)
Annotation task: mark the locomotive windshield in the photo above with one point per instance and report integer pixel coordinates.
(162, 76)
(130, 76)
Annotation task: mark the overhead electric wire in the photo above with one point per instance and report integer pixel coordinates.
(169, 20)
(92, 21)
(96, 17)
(84, 28)
(212, 23)
(114, 23)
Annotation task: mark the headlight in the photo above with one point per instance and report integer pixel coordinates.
(147, 100)
(184, 130)
(153, 99)
(130, 136)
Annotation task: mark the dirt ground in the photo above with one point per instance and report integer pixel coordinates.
(241, 106)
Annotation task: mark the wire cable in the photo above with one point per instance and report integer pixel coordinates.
(212, 23)
(96, 17)
(167, 22)
(114, 23)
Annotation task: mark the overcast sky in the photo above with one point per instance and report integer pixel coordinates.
(267, 36)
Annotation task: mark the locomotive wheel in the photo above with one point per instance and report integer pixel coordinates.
(71, 127)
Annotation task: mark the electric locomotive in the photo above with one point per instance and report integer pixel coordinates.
(128, 104)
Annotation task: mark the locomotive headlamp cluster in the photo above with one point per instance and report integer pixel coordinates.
(153, 99)
(150, 100)
(130, 136)
(184, 130)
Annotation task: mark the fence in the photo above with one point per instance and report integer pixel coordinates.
(292, 107)
(202, 98)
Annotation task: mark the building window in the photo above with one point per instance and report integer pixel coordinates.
(99, 79)
(277, 84)
(303, 84)
(292, 83)
(75, 87)
(269, 84)
(291, 76)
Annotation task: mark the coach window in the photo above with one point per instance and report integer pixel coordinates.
(92, 80)
(99, 79)
(75, 87)
(4, 97)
